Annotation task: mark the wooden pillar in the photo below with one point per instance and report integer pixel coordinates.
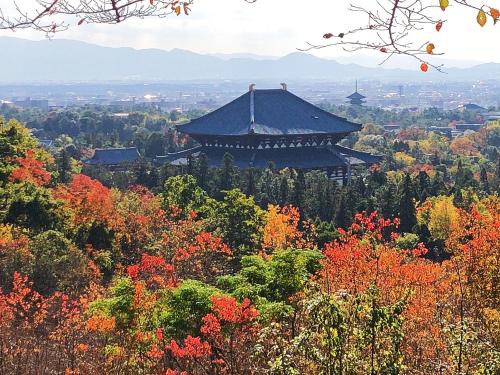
(329, 172)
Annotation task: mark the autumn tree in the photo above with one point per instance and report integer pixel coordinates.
(471, 312)
(282, 228)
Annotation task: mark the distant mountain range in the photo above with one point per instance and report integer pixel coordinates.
(23, 61)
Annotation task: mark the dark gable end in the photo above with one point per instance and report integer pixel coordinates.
(275, 112)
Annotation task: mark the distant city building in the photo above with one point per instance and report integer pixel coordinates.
(472, 107)
(123, 104)
(491, 116)
(464, 127)
(32, 103)
(356, 98)
(47, 143)
(273, 126)
(443, 130)
(392, 128)
(6, 103)
(114, 156)
(121, 115)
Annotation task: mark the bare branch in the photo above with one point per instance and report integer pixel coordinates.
(51, 16)
(392, 25)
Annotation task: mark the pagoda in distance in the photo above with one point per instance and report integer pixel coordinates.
(273, 126)
(356, 98)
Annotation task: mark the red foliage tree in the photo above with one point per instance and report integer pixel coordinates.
(30, 169)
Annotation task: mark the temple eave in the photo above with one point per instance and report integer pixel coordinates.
(303, 157)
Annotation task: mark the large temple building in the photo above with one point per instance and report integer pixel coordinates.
(273, 126)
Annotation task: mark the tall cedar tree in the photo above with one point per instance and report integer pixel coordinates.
(202, 171)
(407, 212)
(284, 191)
(299, 188)
(251, 185)
(227, 173)
(485, 186)
(423, 186)
(64, 166)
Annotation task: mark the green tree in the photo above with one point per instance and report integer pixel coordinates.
(181, 310)
(344, 334)
(30, 206)
(284, 190)
(406, 209)
(202, 171)
(423, 186)
(343, 214)
(58, 264)
(485, 186)
(183, 192)
(386, 198)
(299, 188)
(239, 221)
(273, 279)
(64, 169)
(251, 184)
(227, 172)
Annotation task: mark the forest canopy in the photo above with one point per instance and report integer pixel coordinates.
(395, 272)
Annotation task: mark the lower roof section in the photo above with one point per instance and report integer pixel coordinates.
(297, 158)
(358, 157)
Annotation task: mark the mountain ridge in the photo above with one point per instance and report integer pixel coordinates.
(64, 60)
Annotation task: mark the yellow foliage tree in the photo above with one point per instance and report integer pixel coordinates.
(282, 228)
(404, 159)
(443, 218)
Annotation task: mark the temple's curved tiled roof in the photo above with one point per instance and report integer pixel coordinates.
(268, 112)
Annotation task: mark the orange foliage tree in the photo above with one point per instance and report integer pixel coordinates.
(44, 333)
(30, 169)
(282, 229)
(365, 257)
(470, 309)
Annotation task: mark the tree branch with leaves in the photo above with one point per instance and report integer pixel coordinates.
(392, 25)
(51, 16)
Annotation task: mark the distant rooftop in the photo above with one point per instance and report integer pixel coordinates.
(356, 95)
(468, 126)
(472, 107)
(114, 156)
(46, 142)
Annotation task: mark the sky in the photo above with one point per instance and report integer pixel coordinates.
(276, 28)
